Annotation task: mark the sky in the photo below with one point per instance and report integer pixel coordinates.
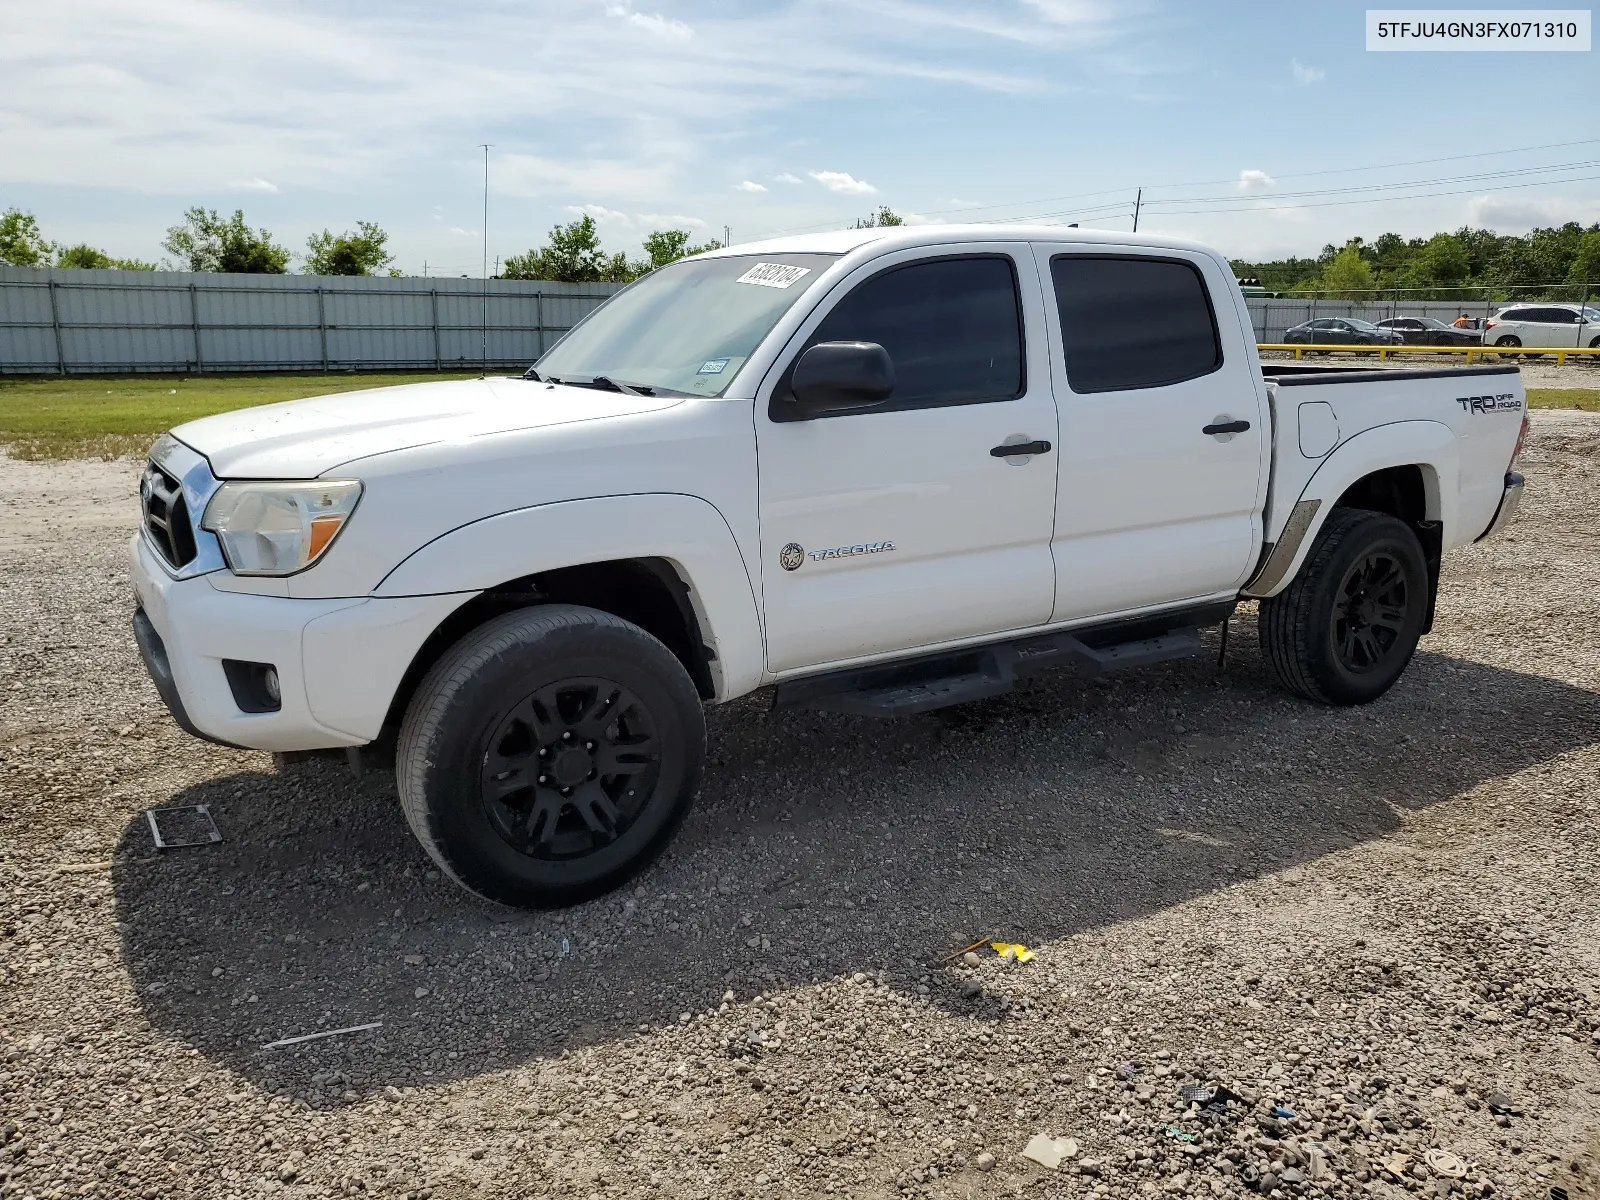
(1252, 127)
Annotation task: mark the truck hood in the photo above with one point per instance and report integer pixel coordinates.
(303, 439)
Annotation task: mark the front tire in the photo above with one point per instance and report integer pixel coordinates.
(550, 755)
(1343, 631)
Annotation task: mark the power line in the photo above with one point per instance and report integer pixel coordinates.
(1374, 187)
(1505, 187)
(1217, 183)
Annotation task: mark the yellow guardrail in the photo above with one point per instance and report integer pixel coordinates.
(1383, 352)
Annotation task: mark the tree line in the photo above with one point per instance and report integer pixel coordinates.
(206, 241)
(1542, 264)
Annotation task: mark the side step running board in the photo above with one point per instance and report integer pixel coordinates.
(902, 689)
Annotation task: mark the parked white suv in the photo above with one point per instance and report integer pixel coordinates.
(1543, 326)
(876, 471)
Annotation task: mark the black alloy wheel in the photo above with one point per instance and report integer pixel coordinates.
(567, 771)
(1345, 627)
(550, 755)
(1369, 613)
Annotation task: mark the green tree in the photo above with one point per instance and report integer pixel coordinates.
(21, 243)
(1586, 263)
(669, 245)
(359, 253)
(1348, 275)
(885, 216)
(85, 256)
(573, 255)
(205, 242)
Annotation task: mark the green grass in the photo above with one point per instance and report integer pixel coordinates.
(1588, 399)
(87, 416)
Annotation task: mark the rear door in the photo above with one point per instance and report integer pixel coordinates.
(1560, 326)
(1164, 437)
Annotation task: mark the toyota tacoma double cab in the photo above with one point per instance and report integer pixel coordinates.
(875, 471)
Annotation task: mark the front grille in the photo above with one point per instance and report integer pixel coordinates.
(166, 516)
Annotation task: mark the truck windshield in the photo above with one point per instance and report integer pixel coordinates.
(687, 327)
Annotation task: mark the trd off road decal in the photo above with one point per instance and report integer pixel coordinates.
(1488, 404)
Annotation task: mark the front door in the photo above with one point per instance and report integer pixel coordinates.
(897, 527)
(1164, 439)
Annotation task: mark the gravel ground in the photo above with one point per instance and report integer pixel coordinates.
(1373, 928)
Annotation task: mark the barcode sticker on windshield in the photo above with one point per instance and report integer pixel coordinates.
(776, 275)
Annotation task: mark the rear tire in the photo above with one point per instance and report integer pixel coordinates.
(1508, 341)
(1343, 631)
(550, 755)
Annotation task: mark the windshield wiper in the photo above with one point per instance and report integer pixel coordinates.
(603, 384)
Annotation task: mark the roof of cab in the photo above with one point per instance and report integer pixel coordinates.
(843, 241)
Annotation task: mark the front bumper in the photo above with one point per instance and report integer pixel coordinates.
(1510, 502)
(339, 662)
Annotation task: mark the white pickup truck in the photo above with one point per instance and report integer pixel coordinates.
(877, 471)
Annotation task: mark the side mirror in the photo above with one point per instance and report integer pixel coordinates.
(841, 376)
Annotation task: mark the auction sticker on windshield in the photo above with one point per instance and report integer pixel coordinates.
(774, 275)
(711, 376)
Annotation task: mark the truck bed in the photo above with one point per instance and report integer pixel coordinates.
(1472, 414)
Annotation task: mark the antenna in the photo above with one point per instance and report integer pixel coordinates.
(485, 146)
(1137, 200)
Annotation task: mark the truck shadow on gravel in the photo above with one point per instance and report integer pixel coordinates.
(821, 844)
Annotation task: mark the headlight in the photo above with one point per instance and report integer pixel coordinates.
(278, 528)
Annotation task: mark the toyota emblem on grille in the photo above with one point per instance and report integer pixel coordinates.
(791, 556)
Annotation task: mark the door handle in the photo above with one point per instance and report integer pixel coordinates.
(1020, 448)
(1226, 427)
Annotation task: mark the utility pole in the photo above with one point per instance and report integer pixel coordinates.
(727, 238)
(486, 146)
(424, 268)
(1137, 201)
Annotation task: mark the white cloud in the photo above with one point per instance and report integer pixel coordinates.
(843, 183)
(1304, 75)
(675, 220)
(253, 185)
(1517, 213)
(601, 214)
(953, 202)
(648, 220)
(749, 185)
(911, 218)
(785, 177)
(1252, 180)
(457, 231)
(532, 175)
(662, 27)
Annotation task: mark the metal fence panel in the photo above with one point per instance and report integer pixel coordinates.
(70, 321)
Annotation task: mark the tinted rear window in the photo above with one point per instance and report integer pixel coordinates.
(1133, 322)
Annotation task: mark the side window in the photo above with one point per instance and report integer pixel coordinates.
(1133, 322)
(952, 326)
(1560, 316)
